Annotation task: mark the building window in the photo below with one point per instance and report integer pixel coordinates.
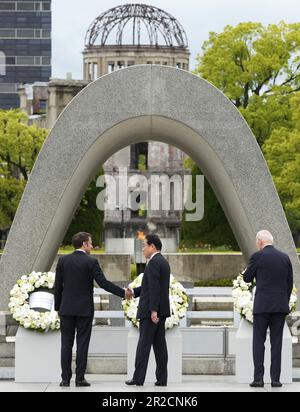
(141, 213)
(28, 60)
(130, 63)
(26, 6)
(95, 71)
(7, 6)
(121, 64)
(178, 65)
(46, 6)
(139, 156)
(6, 33)
(92, 71)
(25, 60)
(10, 60)
(46, 61)
(165, 63)
(111, 67)
(8, 88)
(149, 62)
(42, 106)
(46, 33)
(26, 33)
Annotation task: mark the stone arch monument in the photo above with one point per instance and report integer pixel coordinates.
(129, 106)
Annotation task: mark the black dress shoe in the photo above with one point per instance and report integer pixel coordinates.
(132, 382)
(160, 384)
(64, 384)
(257, 384)
(82, 384)
(276, 385)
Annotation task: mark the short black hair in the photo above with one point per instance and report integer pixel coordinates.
(80, 238)
(154, 240)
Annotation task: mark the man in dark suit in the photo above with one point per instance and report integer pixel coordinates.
(74, 293)
(273, 272)
(154, 308)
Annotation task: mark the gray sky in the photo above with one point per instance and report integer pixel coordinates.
(72, 18)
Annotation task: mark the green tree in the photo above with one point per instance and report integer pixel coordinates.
(19, 147)
(11, 191)
(282, 152)
(213, 229)
(20, 143)
(88, 217)
(257, 67)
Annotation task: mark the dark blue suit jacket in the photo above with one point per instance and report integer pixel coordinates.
(273, 272)
(74, 284)
(154, 292)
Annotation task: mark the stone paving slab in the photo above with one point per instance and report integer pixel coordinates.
(115, 383)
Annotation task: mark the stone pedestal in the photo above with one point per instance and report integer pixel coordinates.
(244, 359)
(174, 344)
(37, 356)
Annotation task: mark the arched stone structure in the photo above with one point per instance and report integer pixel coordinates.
(125, 107)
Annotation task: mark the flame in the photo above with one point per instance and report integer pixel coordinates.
(140, 235)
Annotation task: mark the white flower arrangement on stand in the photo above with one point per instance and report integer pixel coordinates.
(179, 302)
(19, 302)
(243, 298)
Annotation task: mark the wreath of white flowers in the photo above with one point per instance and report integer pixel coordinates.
(19, 302)
(179, 302)
(243, 298)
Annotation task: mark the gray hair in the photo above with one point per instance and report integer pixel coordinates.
(265, 235)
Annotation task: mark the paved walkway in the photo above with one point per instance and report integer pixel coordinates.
(115, 383)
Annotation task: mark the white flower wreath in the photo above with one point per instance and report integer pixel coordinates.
(179, 302)
(243, 298)
(19, 302)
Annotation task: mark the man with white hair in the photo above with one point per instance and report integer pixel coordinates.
(273, 272)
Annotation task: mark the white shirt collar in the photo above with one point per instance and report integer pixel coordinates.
(156, 253)
(80, 250)
(268, 244)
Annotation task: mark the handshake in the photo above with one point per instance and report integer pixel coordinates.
(128, 294)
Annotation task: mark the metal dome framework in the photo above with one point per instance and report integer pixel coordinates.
(157, 22)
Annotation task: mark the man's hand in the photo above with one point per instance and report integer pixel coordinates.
(128, 294)
(154, 317)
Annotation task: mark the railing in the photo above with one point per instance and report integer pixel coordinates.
(191, 314)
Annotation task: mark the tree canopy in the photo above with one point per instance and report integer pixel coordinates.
(257, 68)
(282, 152)
(20, 143)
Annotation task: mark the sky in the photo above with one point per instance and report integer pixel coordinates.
(72, 18)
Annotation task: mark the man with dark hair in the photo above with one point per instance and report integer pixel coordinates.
(154, 308)
(74, 292)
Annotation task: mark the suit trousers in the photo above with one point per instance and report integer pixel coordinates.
(276, 322)
(151, 334)
(82, 326)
